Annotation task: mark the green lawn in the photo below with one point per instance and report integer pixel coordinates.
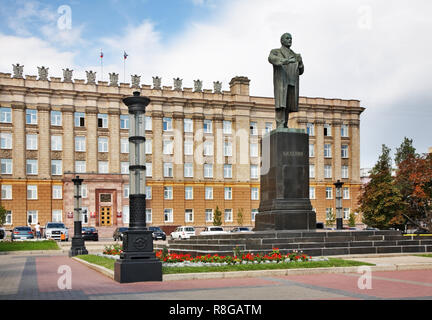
(427, 255)
(28, 245)
(332, 262)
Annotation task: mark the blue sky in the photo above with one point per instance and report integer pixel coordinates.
(366, 50)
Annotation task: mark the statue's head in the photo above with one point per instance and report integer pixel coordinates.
(286, 39)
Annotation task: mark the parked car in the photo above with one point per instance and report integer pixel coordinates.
(158, 233)
(54, 230)
(320, 225)
(90, 233)
(213, 230)
(118, 233)
(371, 229)
(22, 233)
(2, 233)
(183, 232)
(241, 229)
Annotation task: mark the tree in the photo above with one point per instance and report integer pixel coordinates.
(405, 151)
(380, 200)
(331, 218)
(217, 217)
(352, 220)
(240, 217)
(2, 215)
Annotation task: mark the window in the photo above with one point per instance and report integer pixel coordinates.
(167, 147)
(253, 128)
(329, 193)
(124, 145)
(167, 124)
(188, 170)
(32, 141)
(208, 170)
(254, 149)
(102, 120)
(344, 151)
(188, 147)
(102, 144)
(227, 171)
(56, 143)
(209, 193)
(346, 213)
(56, 118)
(208, 215)
(254, 194)
(80, 144)
(32, 166)
(5, 115)
(254, 212)
(168, 193)
(227, 127)
(57, 192)
(57, 216)
(268, 127)
(327, 171)
(6, 192)
(5, 140)
(329, 213)
(31, 116)
(32, 192)
(32, 217)
(189, 216)
(149, 167)
(227, 148)
(311, 171)
(344, 131)
(8, 217)
(327, 130)
(149, 215)
(327, 150)
(345, 172)
(148, 192)
(311, 150)
(168, 215)
(124, 121)
(148, 146)
(310, 129)
(254, 171)
(125, 214)
(346, 193)
(228, 215)
(188, 193)
(84, 190)
(311, 192)
(79, 119)
(188, 125)
(103, 166)
(80, 166)
(168, 169)
(56, 167)
(208, 148)
(124, 167)
(228, 193)
(148, 123)
(208, 126)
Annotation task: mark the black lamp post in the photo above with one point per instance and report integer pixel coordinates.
(138, 262)
(78, 246)
(339, 219)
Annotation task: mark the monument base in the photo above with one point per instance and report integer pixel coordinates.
(285, 220)
(137, 270)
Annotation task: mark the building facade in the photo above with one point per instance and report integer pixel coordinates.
(202, 150)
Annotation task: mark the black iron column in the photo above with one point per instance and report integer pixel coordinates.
(339, 219)
(138, 261)
(78, 245)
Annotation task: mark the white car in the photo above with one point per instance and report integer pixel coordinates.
(54, 230)
(183, 232)
(213, 230)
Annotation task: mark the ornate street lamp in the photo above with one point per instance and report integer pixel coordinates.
(138, 262)
(78, 246)
(339, 219)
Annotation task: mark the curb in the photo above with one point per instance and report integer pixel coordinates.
(267, 273)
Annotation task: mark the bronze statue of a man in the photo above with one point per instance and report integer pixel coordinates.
(287, 67)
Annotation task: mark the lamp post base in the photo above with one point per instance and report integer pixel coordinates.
(137, 270)
(339, 223)
(78, 247)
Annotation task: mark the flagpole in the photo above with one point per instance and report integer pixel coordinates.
(101, 56)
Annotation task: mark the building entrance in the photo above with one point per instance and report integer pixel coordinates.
(105, 216)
